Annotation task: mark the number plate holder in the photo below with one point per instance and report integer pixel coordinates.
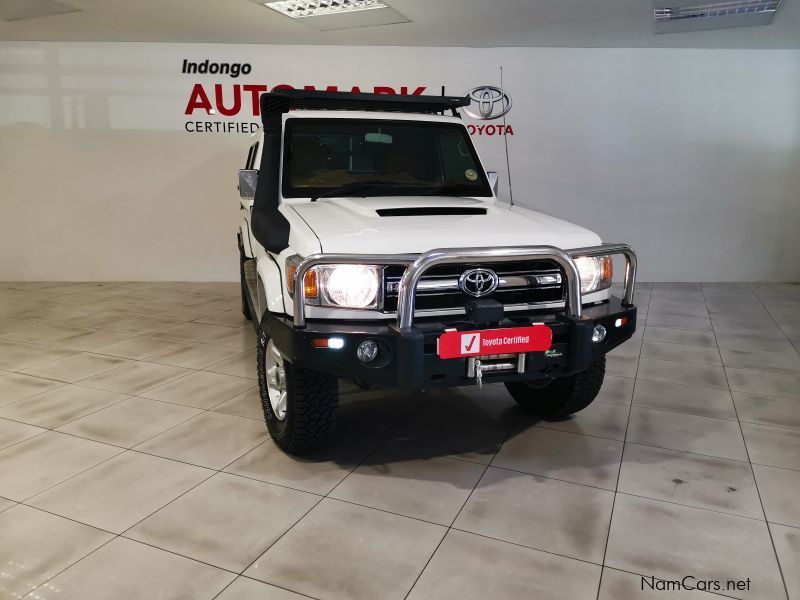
(483, 342)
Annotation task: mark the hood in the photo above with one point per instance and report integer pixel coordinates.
(397, 225)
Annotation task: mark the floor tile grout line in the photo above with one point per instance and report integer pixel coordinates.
(764, 306)
(31, 593)
(692, 506)
(222, 591)
(678, 412)
(97, 410)
(441, 540)
(27, 498)
(544, 425)
(486, 468)
(386, 511)
(95, 350)
(536, 548)
(673, 343)
(772, 372)
(181, 495)
(118, 535)
(279, 586)
(114, 537)
(383, 510)
(127, 397)
(181, 376)
(682, 362)
(317, 503)
(214, 472)
(753, 473)
(788, 525)
(50, 362)
(421, 451)
(582, 560)
(510, 429)
(698, 387)
(4, 448)
(621, 461)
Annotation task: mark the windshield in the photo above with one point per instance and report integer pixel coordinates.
(365, 157)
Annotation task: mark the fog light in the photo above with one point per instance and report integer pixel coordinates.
(598, 334)
(367, 351)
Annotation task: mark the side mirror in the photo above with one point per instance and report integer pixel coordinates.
(494, 180)
(247, 183)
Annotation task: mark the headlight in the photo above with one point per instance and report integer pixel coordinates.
(596, 273)
(339, 286)
(349, 286)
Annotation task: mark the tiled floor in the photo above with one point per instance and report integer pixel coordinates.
(134, 462)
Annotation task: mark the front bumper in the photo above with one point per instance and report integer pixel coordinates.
(408, 358)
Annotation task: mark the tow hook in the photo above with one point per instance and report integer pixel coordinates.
(494, 363)
(479, 373)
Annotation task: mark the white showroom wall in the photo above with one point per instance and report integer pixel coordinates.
(691, 156)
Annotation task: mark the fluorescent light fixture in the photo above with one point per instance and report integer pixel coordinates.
(716, 9)
(680, 16)
(298, 9)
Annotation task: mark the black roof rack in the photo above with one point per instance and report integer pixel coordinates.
(282, 101)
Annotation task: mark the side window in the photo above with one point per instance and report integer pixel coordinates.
(457, 163)
(251, 156)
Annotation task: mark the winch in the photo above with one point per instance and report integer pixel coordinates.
(494, 363)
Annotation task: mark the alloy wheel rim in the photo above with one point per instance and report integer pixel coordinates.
(276, 381)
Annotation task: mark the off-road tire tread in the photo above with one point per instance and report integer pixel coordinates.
(313, 407)
(564, 396)
(316, 402)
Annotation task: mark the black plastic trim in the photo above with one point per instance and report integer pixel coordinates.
(430, 211)
(282, 101)
(412, 362)
(269, 225)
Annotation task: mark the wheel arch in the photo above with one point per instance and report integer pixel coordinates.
(270, 288)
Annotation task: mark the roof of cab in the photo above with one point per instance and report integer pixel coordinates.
(282, 101)
(373, 115)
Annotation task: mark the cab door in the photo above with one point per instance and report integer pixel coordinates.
(246, 204)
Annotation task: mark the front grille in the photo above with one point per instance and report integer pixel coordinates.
(527, 282)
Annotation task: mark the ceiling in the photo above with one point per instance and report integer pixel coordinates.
(477, 23)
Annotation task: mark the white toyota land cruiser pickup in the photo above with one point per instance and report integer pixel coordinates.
(373, 247)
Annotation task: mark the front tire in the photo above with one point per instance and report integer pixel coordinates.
(558, 398)
(300, 405)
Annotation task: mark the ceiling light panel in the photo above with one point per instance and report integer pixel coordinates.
(677, 16)
(718, 9)
(298, 9)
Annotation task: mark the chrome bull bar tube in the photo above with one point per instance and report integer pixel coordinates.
(337, 259)
(610, 250)
(406, 296)
(418, 264)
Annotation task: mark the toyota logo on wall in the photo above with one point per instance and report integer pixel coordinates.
(478, 282)
(487, 102)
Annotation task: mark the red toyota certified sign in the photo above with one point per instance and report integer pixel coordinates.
(458, 344)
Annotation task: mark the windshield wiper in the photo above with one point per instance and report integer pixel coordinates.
(355, 186)
(454, 189)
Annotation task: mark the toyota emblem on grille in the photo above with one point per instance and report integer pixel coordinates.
(487, 102)
(478, 282)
